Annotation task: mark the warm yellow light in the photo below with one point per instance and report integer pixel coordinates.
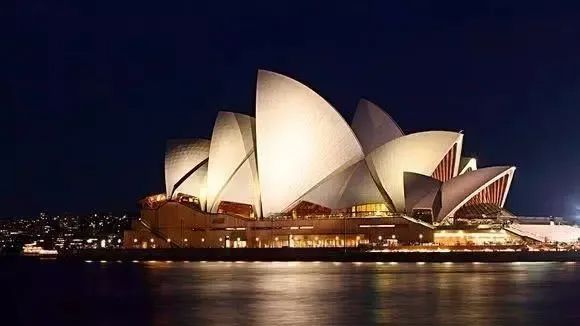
(168, 240)
(393, 236)
(221, 239)
(152, 240)
(380, 237)
(135, 240)
(202, 239)
(336, 238)
(276, 238)
(257, 239)
(185, 240)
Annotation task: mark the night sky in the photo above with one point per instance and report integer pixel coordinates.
(90, 92)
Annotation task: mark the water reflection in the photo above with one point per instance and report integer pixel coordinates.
(302, 293)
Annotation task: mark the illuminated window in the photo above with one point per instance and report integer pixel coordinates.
(373, 209)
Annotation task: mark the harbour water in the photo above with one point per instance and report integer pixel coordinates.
(289, 293)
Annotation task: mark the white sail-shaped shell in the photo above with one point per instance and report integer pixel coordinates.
(459, 190)
(232, 174)
(300, 141)
(373, 126)
(186, 166)
(418, 153)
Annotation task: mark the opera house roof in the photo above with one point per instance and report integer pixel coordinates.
(299, 149)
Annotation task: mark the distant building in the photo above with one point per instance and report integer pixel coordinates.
(299, 175)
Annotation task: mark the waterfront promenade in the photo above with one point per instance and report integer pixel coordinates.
(320, 254)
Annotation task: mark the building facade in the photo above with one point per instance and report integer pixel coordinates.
(299, 175)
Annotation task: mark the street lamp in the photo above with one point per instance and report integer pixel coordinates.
(420, 238)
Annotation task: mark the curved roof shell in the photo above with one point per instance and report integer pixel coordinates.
(459, 190)
(186, 166)
(194, 184)
(346, 188)
(232, 174)
(300, 141)
(418, 153)
(420, 192)
(329, 192)
(467, 164)
(373, 126)
(362, 189)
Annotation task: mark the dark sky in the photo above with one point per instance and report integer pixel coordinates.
(90, 91)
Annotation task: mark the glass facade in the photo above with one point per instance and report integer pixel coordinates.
(375, 209)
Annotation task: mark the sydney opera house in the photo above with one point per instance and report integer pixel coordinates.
(299, 175)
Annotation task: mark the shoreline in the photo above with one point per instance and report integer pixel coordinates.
(318, 254)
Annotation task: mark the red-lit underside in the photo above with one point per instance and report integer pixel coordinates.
(446, 167)
(488, 201)
(492, 194)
